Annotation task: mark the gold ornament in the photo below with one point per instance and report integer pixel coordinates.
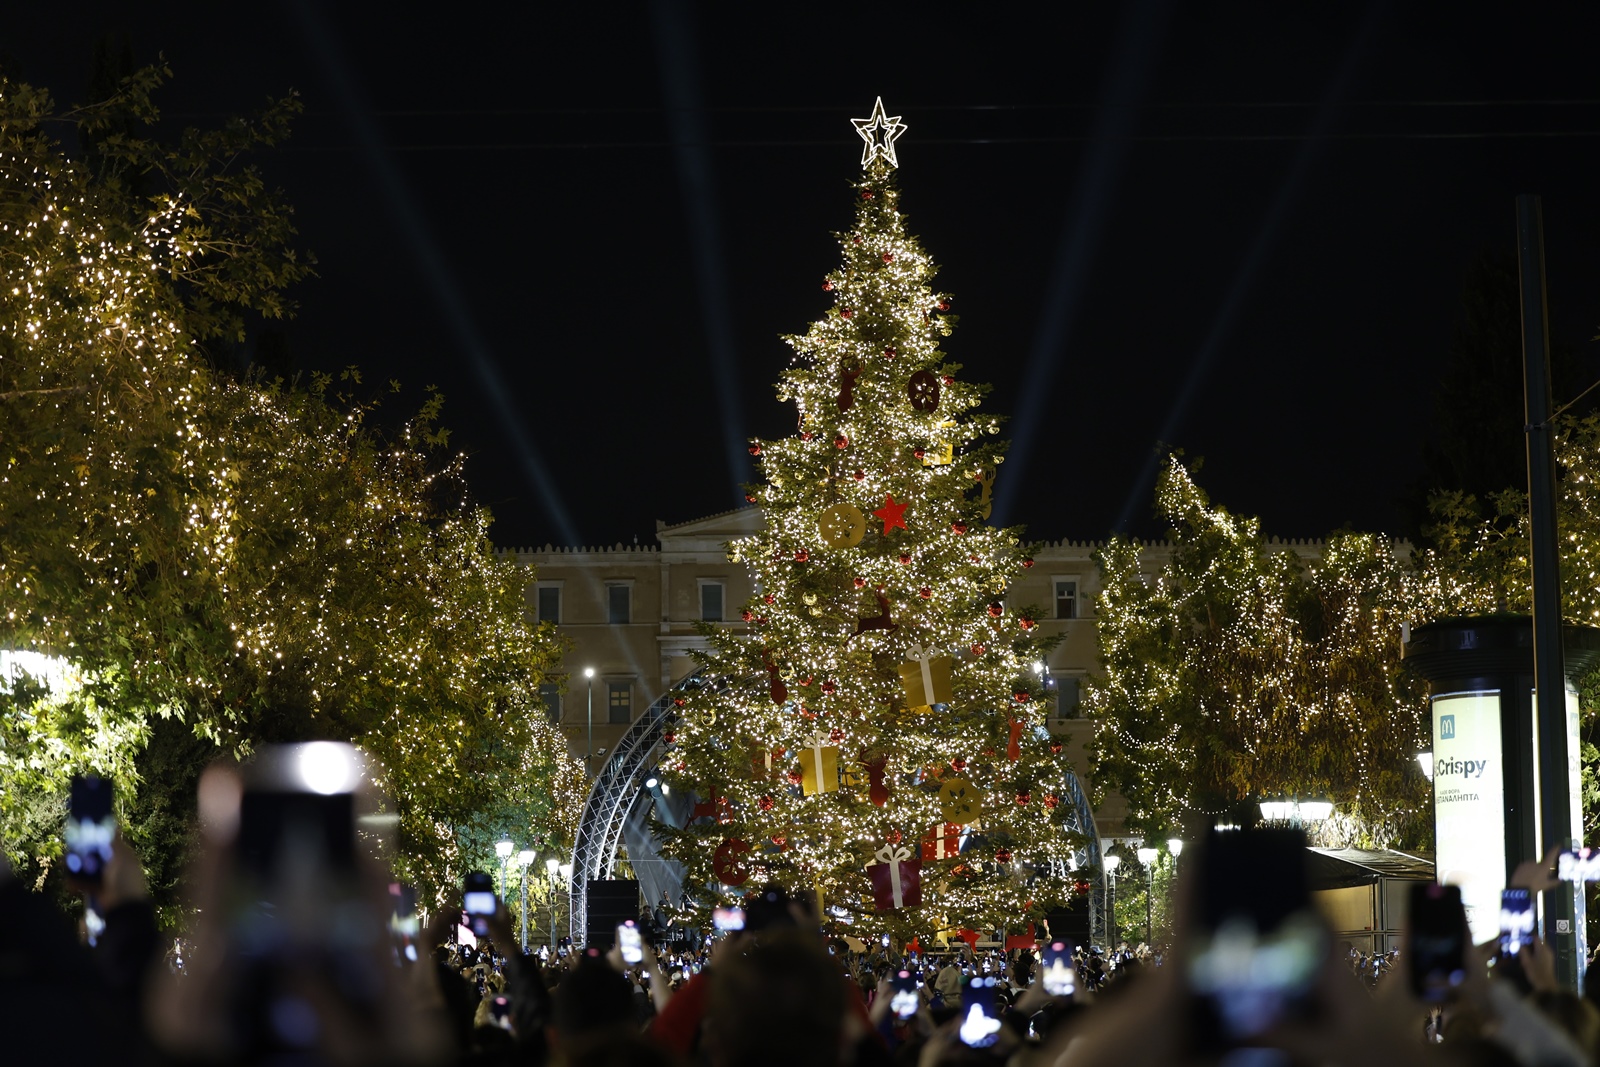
(842, 526)
(960, 802)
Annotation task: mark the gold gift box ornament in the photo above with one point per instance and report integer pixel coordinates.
(819, 768)
(926, 678)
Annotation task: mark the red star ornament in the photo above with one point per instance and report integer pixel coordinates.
(892, 514)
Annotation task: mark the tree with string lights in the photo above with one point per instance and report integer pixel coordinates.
(874, 731)
(1239, 671)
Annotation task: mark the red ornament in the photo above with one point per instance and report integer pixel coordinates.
(768, 598)
(726, 862)
(892, 514)
(1002, 855)
(808, 436)
(828, 688)
(801, 555)
(866, 194)
(841, 441)
(860, 583)
(959, 764)
(795, 777)
(919, 453)
(1050, 801)
(890, 352)
(1027, 562)
(809, 680)
(827, 287)
(944, 305)
(856, 239)
(669, 737)
(750, 498)
(904, 559)
(925, 593)
(846, 313)
(1055, 748)
(755, 450)
(978, 650)
(1020, 697)
(766, 803)
(887, 258)
(1026, 623)
(949, 379)
(959, 527)
(996, 609)
(1014, 745)
(747, 615)
(860, 475)
(835, 735)
(893, 837)
(1023, 799)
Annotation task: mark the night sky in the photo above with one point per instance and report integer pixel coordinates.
(1242, 229)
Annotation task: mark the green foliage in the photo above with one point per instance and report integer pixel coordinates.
(227, 563)
(1240, 670)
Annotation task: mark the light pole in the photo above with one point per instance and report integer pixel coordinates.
(588, 752)
(1111, 862)
(503, 849)
(566, 876)
(525, 860)
(1147, 860)
(1297, 813)
(552, 867)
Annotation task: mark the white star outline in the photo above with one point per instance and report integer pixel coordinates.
(880, 132)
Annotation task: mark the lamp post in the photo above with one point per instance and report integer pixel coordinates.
(588, 752)
(1111, 862)
(525, 860)
(552, 867)
(1147, 860)
(566, 876)
(504, 849)
(1297, 813)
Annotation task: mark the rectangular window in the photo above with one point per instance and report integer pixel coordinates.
(711, 601)
(550, 603)
(1068, 698)
(621, 702)
(1066, 598)
(618, 603)
(550, 697)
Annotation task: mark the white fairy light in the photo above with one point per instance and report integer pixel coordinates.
(879, 132)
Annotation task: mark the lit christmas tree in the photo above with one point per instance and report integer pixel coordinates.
(880, 709)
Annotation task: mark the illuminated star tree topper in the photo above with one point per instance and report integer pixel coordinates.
(880, 132)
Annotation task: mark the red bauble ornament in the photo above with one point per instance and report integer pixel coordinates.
(1023, 799)
(835, 735)
(1026, 623)
(750, 498)
(679, 701)
(959, 764)
(904, 559)
(1002, 855)
(888, 258)
(856, 239)
(944, 305)
(859, 582)
(846, 313)
(890, 352)
(808, 681)
(827, 287)
(795, 777)
(1027, 562)
(919, 453)
(949, 379)
(669, 737)
(1050, 801)
(768, 598)
(925, 593)
(860, 475)
(893, 837)
(726, 862)
(841, 441)
(755, 450)
(747, 615)
(978, 650)
(866, 194)
(1020, 697)
(766, 803)
(808, 436)
(996, 609)
(801, 555)
(1055, 748)
(828, 688)
(959, 527)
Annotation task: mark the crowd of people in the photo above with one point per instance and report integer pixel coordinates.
(290, 960)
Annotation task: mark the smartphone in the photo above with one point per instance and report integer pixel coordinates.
(885, 940)
(403, 924)
(1516, 920)
(727, 919)
(299, 801)
(1257, 944)
(1060, 975)
(903, 1001)
(630, 943)
(1438, 941)
(980, 1025)
(90, 829)
(1578, 865)
(477, 898)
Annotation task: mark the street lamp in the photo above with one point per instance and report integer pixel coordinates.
(1425, 761)
(503, 849)
(525, 860)
(1296, 813)
(552, 867)
(566, 876)
(588, 754)
(1111, 863)
(1175, 846)
(1147, 860)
